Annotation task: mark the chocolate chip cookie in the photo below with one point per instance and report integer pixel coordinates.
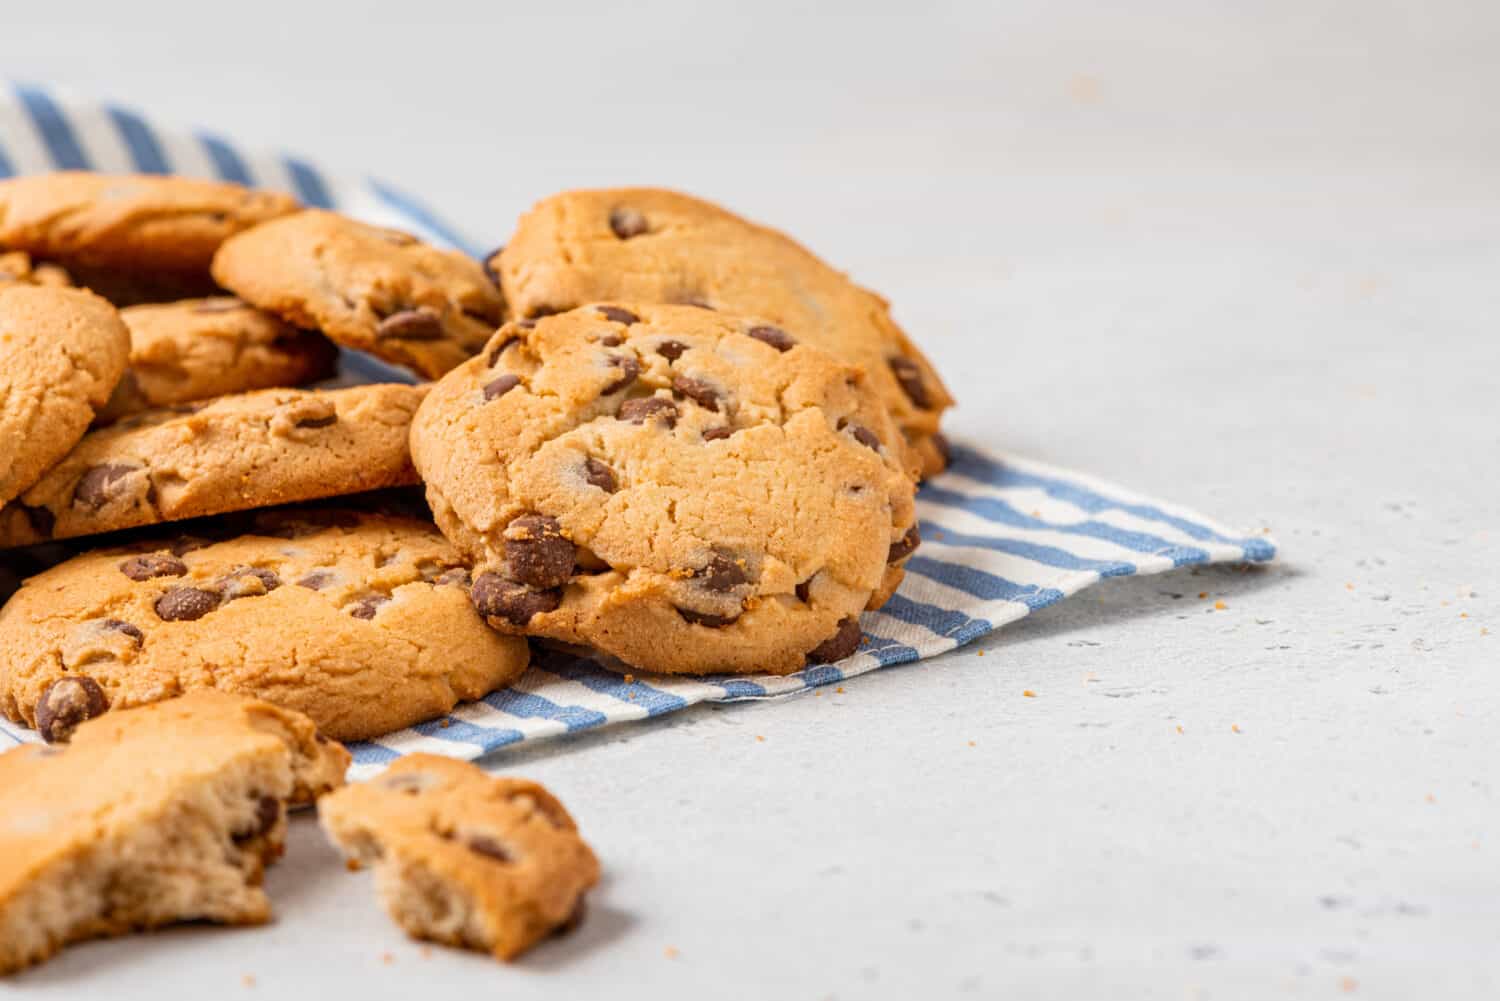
(649, 245)
(374, 289)
(133, 223)
(149, 817)
(182, 352)
(237, 452)
(362, 621)
(62, 352)
(463, 858)
(686, 490)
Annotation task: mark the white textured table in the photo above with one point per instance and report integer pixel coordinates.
(1244, 261)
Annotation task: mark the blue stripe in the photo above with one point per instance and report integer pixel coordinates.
(976, 465)
(586, 673)
(996, 510)
(948, 622)
(489, 738)
(530, 706)
(413, 209)
(367, 752)
(310, 185)
(1049, 555)
(734, 687)
(145, 151)
(982, 584)
(820, 674)
(57, 132)
(228, 163)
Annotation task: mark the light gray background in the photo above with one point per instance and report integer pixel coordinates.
(1243, 256)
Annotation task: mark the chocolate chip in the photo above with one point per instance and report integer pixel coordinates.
(420, 324)
(124, 628)
(184, 604)
(626, 222)
(715, 434)
(864, 436)
(774, 336)
(66, 703)
(647, 408)
(151, 565)
(617, 315)
(711, 621)
(536, 553)
(457, 577)
(495, 597)
(317, 422)
(499, 349)
(910, 377)
(671, 350)
(98, 486)
(629, 369)
(611, 340)
(267, 812)
(722, 574)
(804, 590)
(499, 387)
(317, 580)
(489, 847)
(248, 582)
(905, 546)
(698, 391)
(368, 606)
(40, 519)
(599, 475)
(838, 646)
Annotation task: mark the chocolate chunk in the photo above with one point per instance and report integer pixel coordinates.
(711, 621)
(99, 485)
(611, 340)
(40, 519)
(722, 574)
(489, 847)
(626, 222)
(864, 436)
(910, 377)
(671, 350)
(367, 606)
(697, 390)
(838, 646)
(184, 604)
(267, 812)
(495, 597)
(66, 703)
(150, 565)
(499, 387)
(536, 553)
(774, 336)
(617, 315)
(317, 422)
(420, 324)
(905, 546)
(599, 475)
(629, 369)
(647, 408)
(716, 434)
(124, 628)
(317, 580)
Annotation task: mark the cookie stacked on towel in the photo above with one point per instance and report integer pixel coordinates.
(651, 431)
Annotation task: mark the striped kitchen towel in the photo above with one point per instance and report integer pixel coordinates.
(1002, 536)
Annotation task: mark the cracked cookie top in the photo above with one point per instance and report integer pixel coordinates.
(373, 289)
(195, 349)
(130, 222)
(685, 490)
(650, 245)
(62, 352)
(360, 620)
(274, 446)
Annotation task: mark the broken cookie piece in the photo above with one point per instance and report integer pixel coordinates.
(464, 858)
(151, 816)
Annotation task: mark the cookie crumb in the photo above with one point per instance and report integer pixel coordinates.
(1219, 606)
(1202, 595)
(1180, 729)
(1234, 727)
(972, 744)
(445, 724)
(352, 865)
(670, 952)
(248, 980)
(1348, 985)
(387, 958)
(839, 690)
(1028, 693)
(629, 679)
(759, 739)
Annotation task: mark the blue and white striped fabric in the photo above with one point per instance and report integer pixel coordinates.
(1002, 536)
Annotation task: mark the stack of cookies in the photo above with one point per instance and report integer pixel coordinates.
(651, 431)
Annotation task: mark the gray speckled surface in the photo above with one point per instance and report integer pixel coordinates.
(1243, 260)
